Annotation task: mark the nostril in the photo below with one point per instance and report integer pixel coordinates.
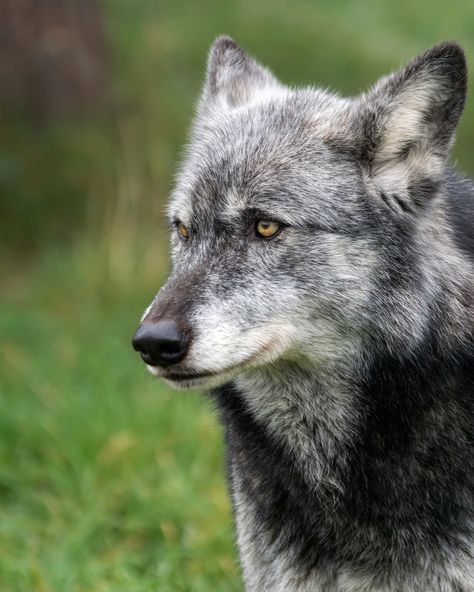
(161, 344)
(137, 346)
(145, 356)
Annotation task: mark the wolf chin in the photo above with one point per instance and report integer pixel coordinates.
(322, 289)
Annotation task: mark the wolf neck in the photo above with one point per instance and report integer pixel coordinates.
(313, 419)
(317, 419)
(323, 467)
(327, 463)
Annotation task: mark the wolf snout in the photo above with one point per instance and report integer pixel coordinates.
(163, 343)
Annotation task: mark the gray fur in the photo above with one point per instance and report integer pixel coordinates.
(340, 351)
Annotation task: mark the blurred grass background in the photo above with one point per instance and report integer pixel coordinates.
(108, 481)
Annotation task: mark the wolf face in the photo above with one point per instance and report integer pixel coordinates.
(298, 220)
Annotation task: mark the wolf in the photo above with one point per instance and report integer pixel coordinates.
(322, 290)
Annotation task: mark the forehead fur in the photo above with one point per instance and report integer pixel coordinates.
(308, 156)
(284, 153)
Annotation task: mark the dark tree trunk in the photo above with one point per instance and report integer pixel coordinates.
(52, 55)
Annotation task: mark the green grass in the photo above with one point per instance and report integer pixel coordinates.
(109, 482)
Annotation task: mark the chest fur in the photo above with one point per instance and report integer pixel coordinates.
(390, 520)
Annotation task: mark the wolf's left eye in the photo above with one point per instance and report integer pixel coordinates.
(267, 228)
(183, 231)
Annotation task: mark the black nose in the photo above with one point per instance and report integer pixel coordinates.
(160, 344)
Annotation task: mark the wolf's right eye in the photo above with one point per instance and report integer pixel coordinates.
(183, 231)
(267, 228)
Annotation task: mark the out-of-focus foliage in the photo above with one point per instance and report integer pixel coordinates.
(56, 177)
(108, 481)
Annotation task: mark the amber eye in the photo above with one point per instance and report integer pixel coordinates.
(267, 228)
(183, 231)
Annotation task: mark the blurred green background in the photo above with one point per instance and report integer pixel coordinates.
(109, 481)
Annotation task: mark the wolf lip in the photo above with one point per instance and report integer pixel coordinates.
(183, 377)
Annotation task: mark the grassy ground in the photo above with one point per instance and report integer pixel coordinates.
(108, 481)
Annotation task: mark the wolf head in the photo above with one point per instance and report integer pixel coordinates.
(300, 221)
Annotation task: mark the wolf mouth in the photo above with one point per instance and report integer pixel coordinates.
(189, 376)
(183, 377)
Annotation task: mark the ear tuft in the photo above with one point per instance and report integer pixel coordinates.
(444, 69)
(408, 120)
(224, 53)
(233, 77)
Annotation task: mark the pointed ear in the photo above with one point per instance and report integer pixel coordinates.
(233, 77)
(407, 123)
